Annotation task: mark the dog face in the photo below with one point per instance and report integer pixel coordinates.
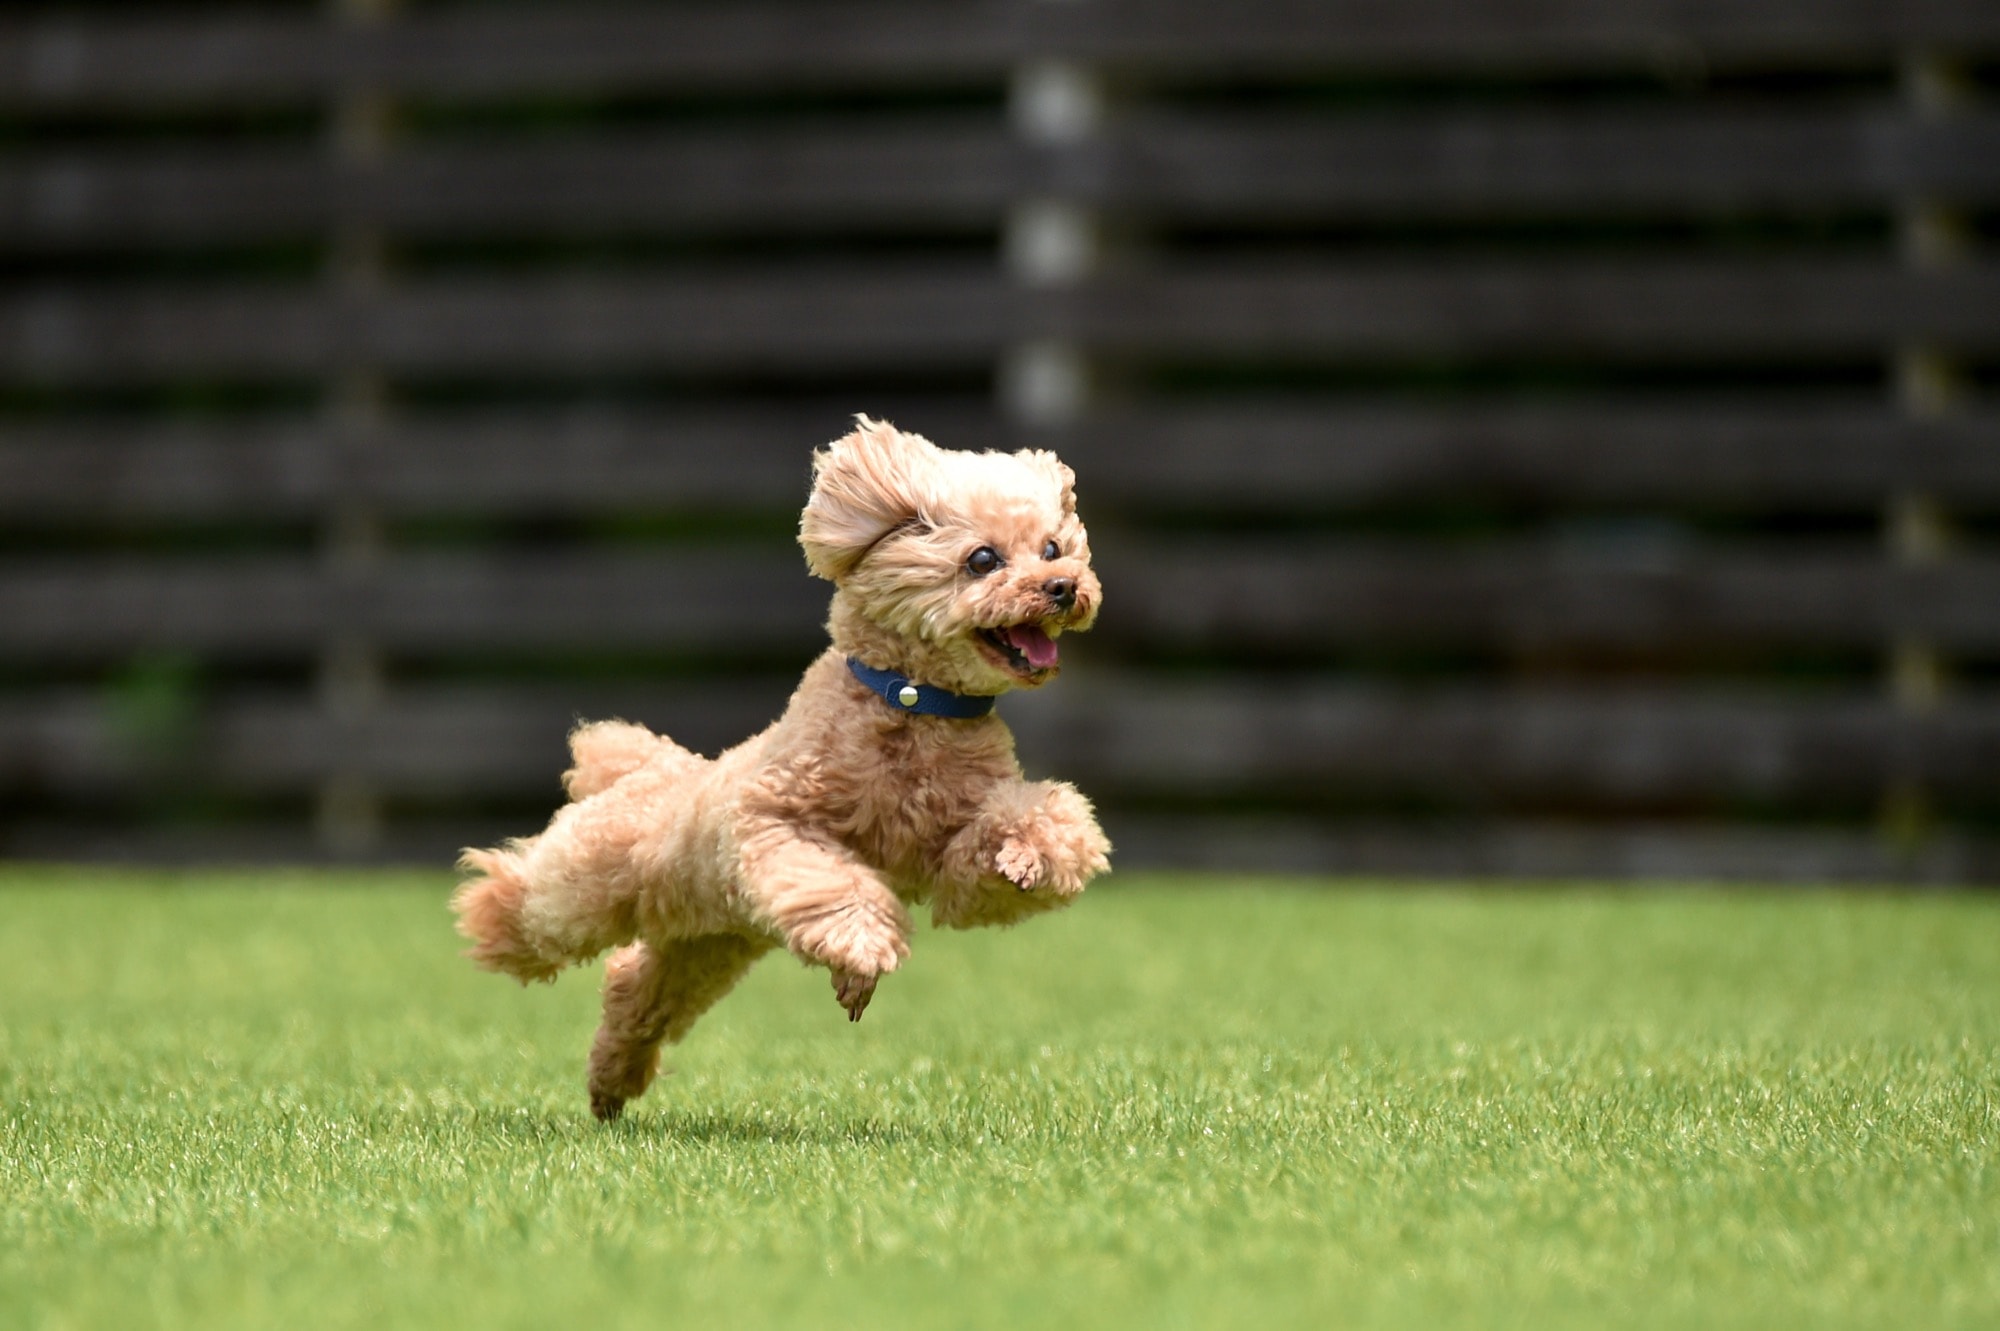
(976, 559)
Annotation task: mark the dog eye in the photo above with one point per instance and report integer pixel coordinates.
(1050, 550)
(982, 561)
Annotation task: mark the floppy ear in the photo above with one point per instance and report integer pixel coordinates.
(866, 484)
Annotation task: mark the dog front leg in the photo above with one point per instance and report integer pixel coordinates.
(829, 908)
(1032, 847)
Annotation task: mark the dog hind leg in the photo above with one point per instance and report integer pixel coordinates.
(652, 996)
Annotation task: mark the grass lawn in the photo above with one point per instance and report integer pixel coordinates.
(284, 1101)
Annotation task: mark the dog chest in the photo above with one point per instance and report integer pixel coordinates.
(929, 777)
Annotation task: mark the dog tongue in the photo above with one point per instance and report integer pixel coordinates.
(1031, 642)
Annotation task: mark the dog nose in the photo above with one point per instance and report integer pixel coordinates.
(1062, 591)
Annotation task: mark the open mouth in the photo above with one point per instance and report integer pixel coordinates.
(1022, 648)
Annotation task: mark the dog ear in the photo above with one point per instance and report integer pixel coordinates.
(1057, 471)
(866, 484)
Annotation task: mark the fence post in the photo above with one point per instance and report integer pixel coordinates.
(1928, 384)
(348, 811)
(1050, 241)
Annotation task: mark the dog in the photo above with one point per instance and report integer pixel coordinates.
(887, 783)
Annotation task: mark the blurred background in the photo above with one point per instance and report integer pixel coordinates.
(1545, 438)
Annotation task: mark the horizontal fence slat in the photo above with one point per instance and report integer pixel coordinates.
(708, 599)
(423, 742)
(1835, 455)
(1586, 308)
(956, 315)
(1605, 592)
(1613, 589)
(1121, 738)
(96, 607)
(854, 175)
(121, 469)
(1502, 164)
(1188, 37)
(235, 59)
(1604, 749)
(232, 58)
(822, 318)
(480, 463)
(711, 598)
(963, 172)
(1802, 454)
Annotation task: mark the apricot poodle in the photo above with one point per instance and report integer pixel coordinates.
(888, 781)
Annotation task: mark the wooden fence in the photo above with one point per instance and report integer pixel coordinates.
(1534, 438)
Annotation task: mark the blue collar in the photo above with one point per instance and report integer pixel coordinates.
(923, 699)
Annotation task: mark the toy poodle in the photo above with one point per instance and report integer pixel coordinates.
(888, 781)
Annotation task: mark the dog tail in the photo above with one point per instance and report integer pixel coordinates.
(491, 913)
(605, 751)
(537, 904)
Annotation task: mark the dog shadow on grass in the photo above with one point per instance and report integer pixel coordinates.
(772, 1129)
(712, 1127)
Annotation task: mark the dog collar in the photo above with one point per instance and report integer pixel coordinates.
(923, 699)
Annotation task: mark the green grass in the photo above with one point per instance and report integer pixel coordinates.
(239, 1102)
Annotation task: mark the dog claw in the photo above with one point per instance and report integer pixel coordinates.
(852, 992)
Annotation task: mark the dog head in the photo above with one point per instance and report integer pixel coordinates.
(958, 569)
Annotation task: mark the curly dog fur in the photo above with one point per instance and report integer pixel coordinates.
(956, 570)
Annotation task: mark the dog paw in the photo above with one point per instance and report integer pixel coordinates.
(1020, 864)
(861, 935)
(1056, 848)
(605, 1107)
(1061, 868)
(852, 991)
